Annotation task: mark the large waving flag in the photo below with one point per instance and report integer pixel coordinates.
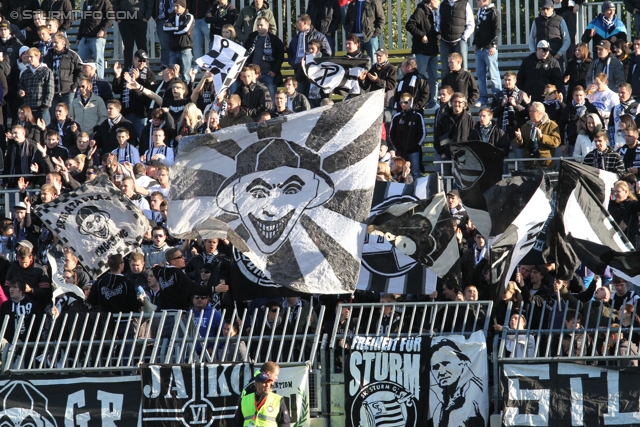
(225, 61)
(290, 193)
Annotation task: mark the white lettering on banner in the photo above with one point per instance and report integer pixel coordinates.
(512, 417)
(79, 420)
(612, 416)
(176, 375)
(111, 408)
(198, 414)
(397, 368)
(153, 390)
(218, 386)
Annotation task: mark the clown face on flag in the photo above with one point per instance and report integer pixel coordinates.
(290, 193)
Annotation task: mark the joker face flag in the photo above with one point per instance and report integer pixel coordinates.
(290, 193)
(95, 221)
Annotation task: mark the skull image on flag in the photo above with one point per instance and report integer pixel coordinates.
(291, 193)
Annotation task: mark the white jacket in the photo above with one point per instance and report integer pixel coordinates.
(583, 146)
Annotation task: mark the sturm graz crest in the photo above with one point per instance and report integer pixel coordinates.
(469, 169)
(384, 404)
(32, 409)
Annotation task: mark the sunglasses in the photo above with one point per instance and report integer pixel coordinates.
(200, 297)
(91, 173)
(205, 272)
(158, 235)
(404, 102)
(178, 257)
(548, 93)
(273, 310)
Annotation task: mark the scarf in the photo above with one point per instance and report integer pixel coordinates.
(124, 154)
(483, 13)
(95, 85)
(302, 39)
(113, 122)
(267, 51)
(24, 158)
(125, 90)
(157, 150)
(56, 69)
(607, 23)
(478, 253)
(485, 131)
(553, 102)
(580, 108)
(605, 68)
(508, 109)
(599, 159)
(44, 47)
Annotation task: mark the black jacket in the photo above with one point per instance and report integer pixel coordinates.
(219, 16)
(325, 15)
(450, 129)
(277, 52)
(62, 10)
(114, 294)
(407, 132)
(198, 8)
(570, 124)
(497, 137)
(373, 19)
(138, 103)
(141, 8)
(68, 71)
(10, 50)
(68, 136)
(176, 289)
(90, 26)
(420, 24)
(19, 18)
(387, 74)
(417, 86)
(255, 99)
(106, 138)
(179, 34)
(462, 81)
(535, 74)
(488, 30)
(577, 72)
(169, 127)
(515, 117)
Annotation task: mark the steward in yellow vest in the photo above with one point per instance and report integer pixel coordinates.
(262, 408)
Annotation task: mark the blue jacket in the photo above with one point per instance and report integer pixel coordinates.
(618, 30)
(208, 315)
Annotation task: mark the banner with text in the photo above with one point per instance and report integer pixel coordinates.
(70, 401)
(387, 381)
(568, 394)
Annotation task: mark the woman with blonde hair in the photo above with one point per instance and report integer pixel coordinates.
(625, 211)
(190, 121)
(384, 172)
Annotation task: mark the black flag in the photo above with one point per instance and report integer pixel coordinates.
(336, 74)
(422, 230)
(598, 257)
(599, 183)
(519, 207)
(477, 166)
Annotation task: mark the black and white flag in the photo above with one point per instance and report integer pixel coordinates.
(598, 257)
(385, 268)
(519, 208)
(291, 193)
(422, 230)
(600, 184)
(585, 218)
(336, 74)
(225, 61)
(477, 166)
(95, 221)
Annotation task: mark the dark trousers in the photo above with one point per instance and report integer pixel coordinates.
(134, 30)
(570, 19)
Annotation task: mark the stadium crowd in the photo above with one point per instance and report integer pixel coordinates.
(62, 119)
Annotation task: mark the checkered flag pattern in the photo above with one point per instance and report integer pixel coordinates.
(95, 221)
(224, 61)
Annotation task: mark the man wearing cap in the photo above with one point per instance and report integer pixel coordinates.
(99, 86)
(538, 70)
(382, 75)
(607, 63)
(262, 407)
(92, 34)
(66, 67)
(605, 26)
(133, 28)
(22, 226)
(33, 274)
(179, 26)
(551, 27)
(134, 103)
(458, 212)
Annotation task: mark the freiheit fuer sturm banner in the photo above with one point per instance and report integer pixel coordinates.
(58, 401)
(568, 394)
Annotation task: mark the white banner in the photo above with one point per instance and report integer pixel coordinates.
(293, 386)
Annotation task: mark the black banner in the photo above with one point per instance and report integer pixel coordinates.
(70, 401)
(568, 394)
(192, 395)
(387, 381)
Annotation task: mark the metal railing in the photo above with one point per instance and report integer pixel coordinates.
(391, 320)
(119, 342)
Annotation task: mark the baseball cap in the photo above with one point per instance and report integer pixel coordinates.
(20, 205)
(26, 244)
(608, 5)
(90, 64)
(382, 51)
(547, 4)
(604, 44)
(141, 55)
(4, 24)
(454, 193)
(262, 377)
(22, 50)
(543, 44)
